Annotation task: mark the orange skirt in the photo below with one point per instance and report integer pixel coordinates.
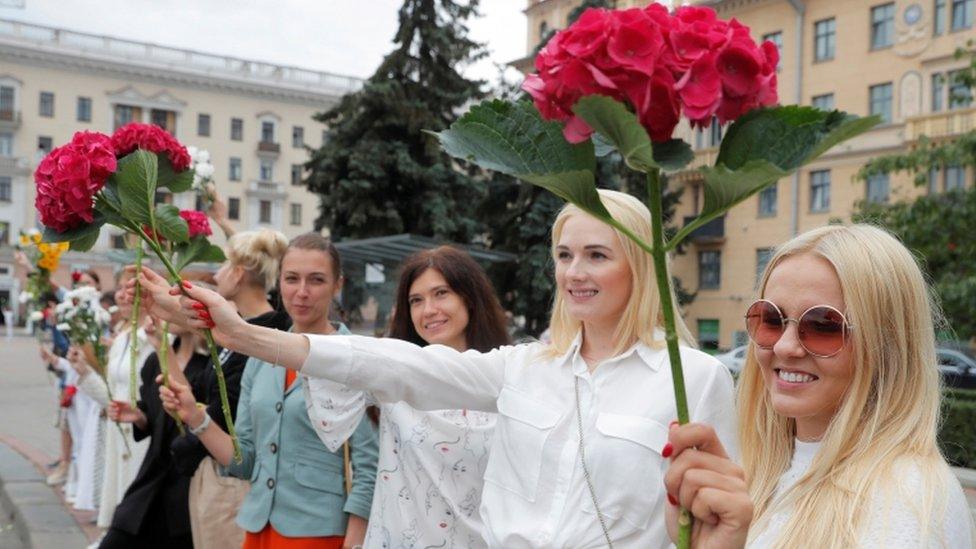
(269, 538)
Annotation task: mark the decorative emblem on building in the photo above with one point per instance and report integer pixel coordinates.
(913, 31)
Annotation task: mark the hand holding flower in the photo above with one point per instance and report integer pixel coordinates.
(202, 308)
(178, 399)
(76, 357)
(122, 412)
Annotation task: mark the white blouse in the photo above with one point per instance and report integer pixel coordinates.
(431, 466)
(893, 520)
(535, 494)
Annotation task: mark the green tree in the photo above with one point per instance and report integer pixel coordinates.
(938, 228)
(378, 173)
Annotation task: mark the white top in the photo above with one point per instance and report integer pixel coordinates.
(894, 519)
(431, 466)
(535, 494)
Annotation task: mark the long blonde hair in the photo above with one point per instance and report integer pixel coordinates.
(890, 413)
(643, 313)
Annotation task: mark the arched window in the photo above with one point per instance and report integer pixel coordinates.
(543, 30)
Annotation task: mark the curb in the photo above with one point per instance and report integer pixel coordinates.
(35, 512)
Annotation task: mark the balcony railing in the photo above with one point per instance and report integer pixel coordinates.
(268, 147)
(941, 124)
(711, 232)
(267, 189)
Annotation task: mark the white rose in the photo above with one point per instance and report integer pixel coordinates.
(203, 156)
(205, 170)
(36, 316)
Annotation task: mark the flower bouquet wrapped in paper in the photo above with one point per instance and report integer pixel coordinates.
(619, 82)
(95, 180)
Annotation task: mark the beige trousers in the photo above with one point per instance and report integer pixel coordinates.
(214, 502)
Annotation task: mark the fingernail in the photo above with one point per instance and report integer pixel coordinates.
(673, 425)
(186, 284)
(672, 501)
(667, 450)
(211, 325)
(204, 316)
(198, 306)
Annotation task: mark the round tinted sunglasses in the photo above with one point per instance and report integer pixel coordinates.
(822, 330)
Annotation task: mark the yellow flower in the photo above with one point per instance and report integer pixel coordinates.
(37, 238)
(45, 263)
(24, 240)
(44, 247)
(63, 247)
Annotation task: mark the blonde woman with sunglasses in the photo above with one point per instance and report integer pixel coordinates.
(838, 410)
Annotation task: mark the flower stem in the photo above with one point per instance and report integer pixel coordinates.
(164, 369)
(670, 332)
(134, 332)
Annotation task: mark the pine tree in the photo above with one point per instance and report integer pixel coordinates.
(379, 173)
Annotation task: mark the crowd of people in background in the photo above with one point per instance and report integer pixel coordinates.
(445, 434)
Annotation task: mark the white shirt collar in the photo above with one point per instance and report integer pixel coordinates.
(652, 358)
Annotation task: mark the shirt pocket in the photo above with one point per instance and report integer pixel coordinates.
(524, 425)
(320, 479)
(626, 467)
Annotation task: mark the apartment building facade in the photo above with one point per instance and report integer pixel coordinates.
(254, 118)
(894, 59)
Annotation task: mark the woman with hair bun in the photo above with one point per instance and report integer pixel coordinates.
(245, 278)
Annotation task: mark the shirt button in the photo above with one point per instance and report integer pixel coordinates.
(271, 483)
(274, 447)
(278, 407)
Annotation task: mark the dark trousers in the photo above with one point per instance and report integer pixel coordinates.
(153, 534)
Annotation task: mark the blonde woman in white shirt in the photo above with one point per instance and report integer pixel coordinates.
(838, 410)
(578, 456)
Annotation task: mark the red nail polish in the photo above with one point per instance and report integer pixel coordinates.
(672, 501)
(186, 284)
(198, 306)
(667, 450)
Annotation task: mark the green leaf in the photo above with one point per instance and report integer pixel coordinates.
(176, 182)
(84, 243)
(82, 234)
(601, 146)
(170, 224)
(788, 137)
(136, 180)
(611, 119)
(198, 249)
(512, 138)
(673, 155)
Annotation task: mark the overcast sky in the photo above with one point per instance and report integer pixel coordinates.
(342, 36)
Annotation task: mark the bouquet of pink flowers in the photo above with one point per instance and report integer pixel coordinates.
(96, 179)
(619, 81)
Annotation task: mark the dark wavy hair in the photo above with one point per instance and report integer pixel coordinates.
(487, 327)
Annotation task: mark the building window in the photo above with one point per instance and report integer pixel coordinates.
(325, 137)
(4, 241)
(938, 91)
(825, 39)
(163, 197)
(939, 17)
(960, 95)
(124, 114)
(820, 191)
(203, 125)
(709, 269)
(6, 144)
(267, 169)
(44, 144)
(883, 26)
(767, 201)
(543, 30)
(83, 111)
(234, 171)
(878, 188)
(823, 102)
(699, 138)
(6, 188)
(763, 255)
(714, 133)
(962, 14)
(6, 103)
(881, 101)
(955, 178)
(264, 211)
(708, 334)
(236, 129)
(296, 174)
(296, 214)
(164, 119)
(46, 104)
(267, 132)
(118, 241)
(233, 208)
(297, 137)
(776, 38)
(934, 180)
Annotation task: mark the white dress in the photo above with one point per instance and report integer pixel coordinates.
(76, 416)
(892, 521)
(118, 470)
(535, 494)
(431, 466)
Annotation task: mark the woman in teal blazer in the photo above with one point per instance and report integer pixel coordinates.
(297, 484)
